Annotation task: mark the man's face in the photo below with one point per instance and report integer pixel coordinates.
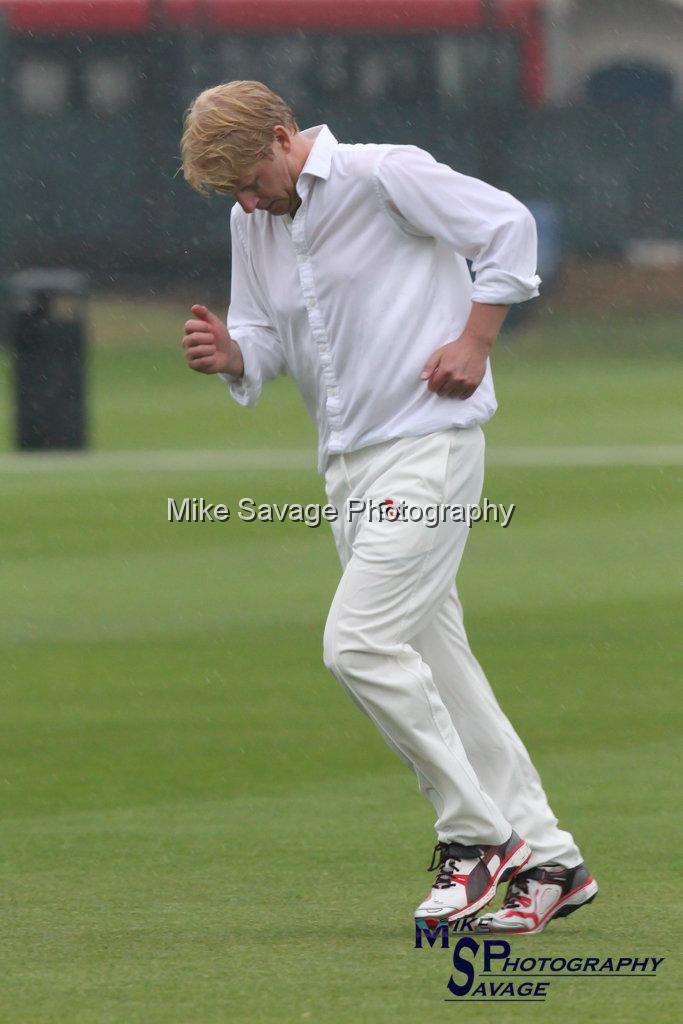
(270, 185)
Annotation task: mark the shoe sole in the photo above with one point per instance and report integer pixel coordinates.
(574, 900)
(513, 863)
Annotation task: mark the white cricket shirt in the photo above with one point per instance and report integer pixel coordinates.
(353, 295)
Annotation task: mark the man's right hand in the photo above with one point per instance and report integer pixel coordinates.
(208, 345)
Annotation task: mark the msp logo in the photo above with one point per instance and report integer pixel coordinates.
(484, 971)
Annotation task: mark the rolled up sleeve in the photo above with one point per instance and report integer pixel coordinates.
(251, 327)
(481, 223)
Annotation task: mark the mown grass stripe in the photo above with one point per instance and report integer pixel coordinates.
(272, 460)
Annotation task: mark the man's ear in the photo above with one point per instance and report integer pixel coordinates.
(283, 136)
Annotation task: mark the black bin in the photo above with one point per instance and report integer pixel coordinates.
(49, 348)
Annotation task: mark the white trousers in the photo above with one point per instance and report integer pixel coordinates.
(395, 639)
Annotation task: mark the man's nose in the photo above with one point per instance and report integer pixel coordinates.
(248, 203)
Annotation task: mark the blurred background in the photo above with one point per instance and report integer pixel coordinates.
(574, 105)
(196, 820)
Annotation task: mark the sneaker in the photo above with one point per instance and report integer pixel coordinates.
(537, 896)
(467, 878)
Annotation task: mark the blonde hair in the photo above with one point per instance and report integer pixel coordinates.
(227, 130)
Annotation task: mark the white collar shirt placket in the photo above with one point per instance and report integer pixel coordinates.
(331, 406)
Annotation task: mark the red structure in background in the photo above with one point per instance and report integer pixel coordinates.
(522, 18)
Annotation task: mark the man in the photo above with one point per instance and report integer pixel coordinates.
(349, 273)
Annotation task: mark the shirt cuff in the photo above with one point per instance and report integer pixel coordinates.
(500, 288)
(246, 390)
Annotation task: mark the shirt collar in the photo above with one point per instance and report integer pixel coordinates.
(320, 157)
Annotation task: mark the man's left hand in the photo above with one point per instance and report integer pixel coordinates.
(456, 370)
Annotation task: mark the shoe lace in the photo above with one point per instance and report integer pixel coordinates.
(446, 857)
(518, 887)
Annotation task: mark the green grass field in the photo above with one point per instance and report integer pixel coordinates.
(198, 826)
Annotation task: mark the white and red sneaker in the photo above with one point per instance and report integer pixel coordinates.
(468, 877)
(537, 896)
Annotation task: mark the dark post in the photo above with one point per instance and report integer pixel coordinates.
(49, 349)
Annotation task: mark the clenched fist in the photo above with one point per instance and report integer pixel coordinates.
(208, 345)
(456, 370)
